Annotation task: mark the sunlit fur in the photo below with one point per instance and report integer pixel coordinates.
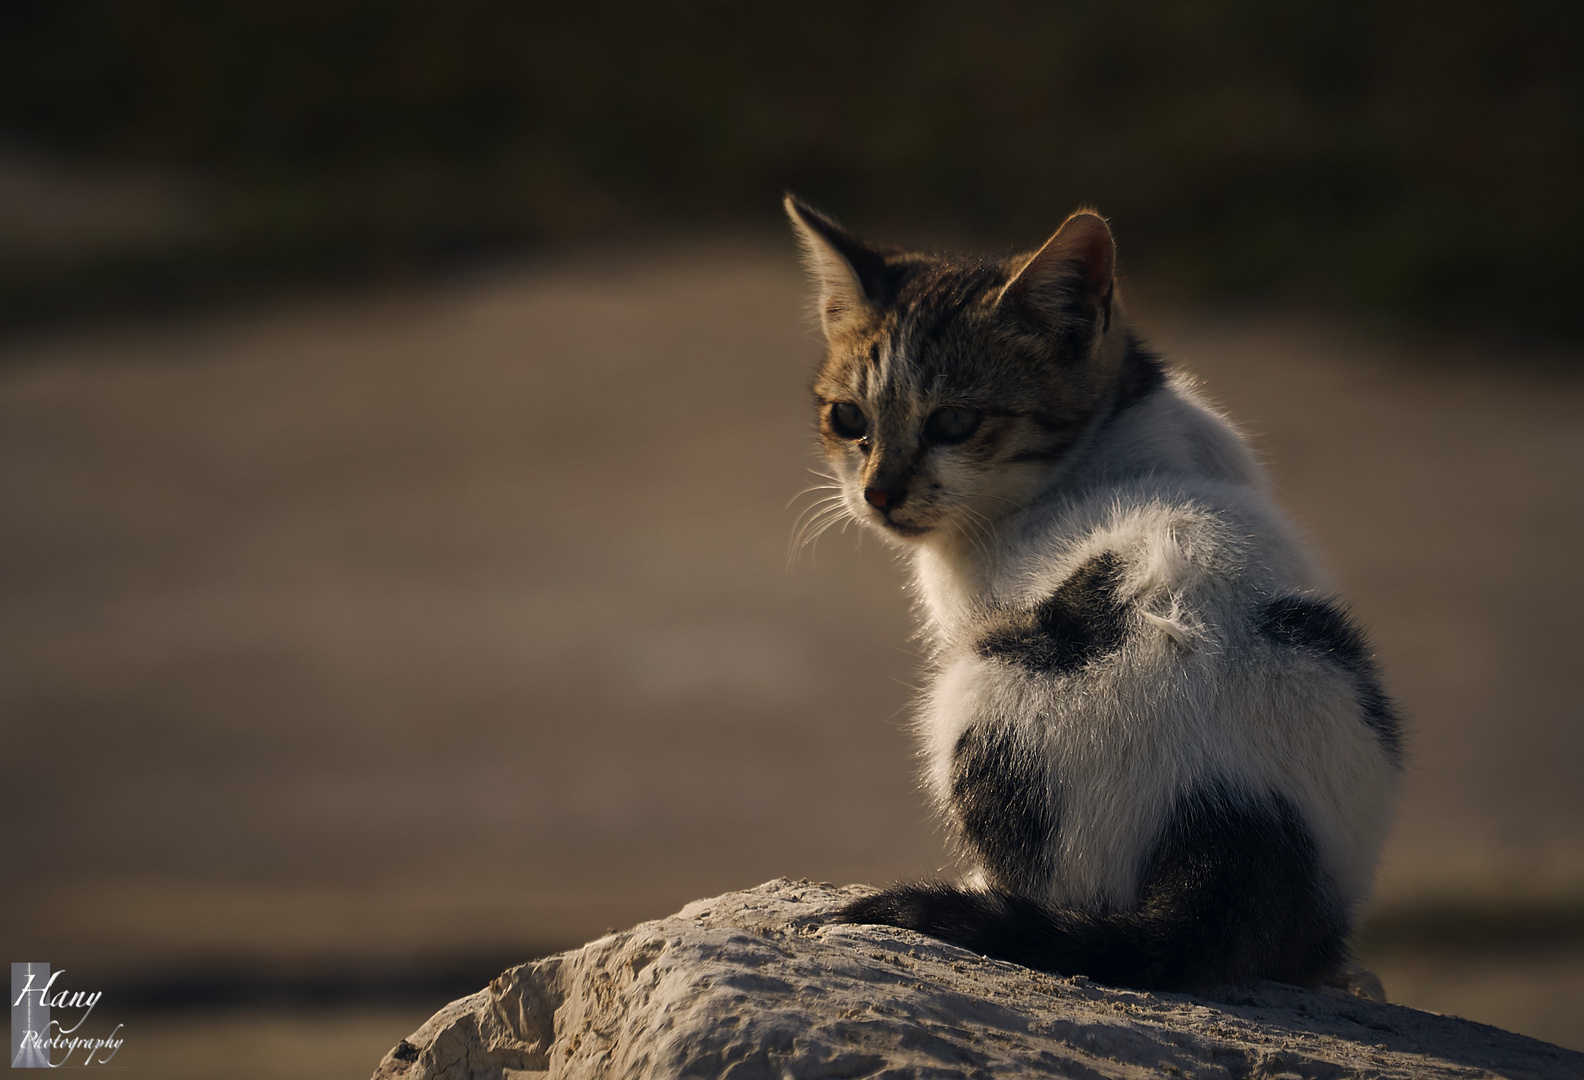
(909, 360)
(1090, 448)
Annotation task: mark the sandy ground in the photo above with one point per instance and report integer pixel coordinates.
(461, 618)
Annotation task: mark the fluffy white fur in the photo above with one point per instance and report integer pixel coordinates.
(1195, 694)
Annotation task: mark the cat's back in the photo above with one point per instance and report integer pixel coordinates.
(1157, 628)
(1173, 501)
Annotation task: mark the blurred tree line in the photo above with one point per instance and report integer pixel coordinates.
(1420, 158)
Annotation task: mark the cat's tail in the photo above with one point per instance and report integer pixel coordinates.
(1158, 947)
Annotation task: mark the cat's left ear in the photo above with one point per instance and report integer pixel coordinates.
(1072, 276)
(849, 274)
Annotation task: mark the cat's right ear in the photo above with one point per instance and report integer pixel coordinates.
(849, 275)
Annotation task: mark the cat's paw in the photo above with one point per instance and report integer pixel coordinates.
(1357, 981)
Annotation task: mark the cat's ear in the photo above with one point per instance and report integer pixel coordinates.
(849, 275)
(1072, 277)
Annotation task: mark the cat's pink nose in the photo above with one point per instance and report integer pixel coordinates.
(883, 498)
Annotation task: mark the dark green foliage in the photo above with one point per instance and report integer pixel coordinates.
(1420, 157)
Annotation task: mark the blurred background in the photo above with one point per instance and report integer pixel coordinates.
(403, 418)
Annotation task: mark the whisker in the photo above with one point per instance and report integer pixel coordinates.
(998, 498)
(811, 525)
(823, 519)
(836, 494)
(815, 487)
(816, 505)
(981, 527)
(824, 514)
(970, 532)
(812, 541)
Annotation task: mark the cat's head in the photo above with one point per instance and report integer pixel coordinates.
(953, 389)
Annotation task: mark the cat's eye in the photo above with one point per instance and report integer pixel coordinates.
(848, 420)
(951, 425)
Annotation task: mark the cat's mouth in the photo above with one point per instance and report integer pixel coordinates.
(903, 529)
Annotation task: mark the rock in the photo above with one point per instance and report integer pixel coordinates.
(759, 984)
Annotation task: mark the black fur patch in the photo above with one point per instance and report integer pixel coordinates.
(1002, 800)
(1080, 622)
(1143, 373)
(1235, 883)
(1232, 893)
(1318, 627)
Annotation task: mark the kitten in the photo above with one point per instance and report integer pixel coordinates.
(1162, 746)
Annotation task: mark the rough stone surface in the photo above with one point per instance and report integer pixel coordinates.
(759, 984)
